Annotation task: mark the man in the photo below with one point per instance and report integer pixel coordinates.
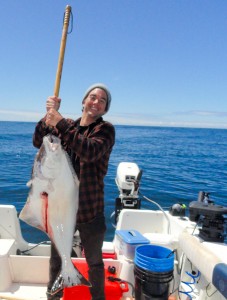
(88, 141)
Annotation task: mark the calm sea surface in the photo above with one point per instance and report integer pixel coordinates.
(177, 163)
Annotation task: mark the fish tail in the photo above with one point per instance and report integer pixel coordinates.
(68, 281)
(84, 281)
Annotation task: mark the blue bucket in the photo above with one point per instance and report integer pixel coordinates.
(154, 258)
(153, 272)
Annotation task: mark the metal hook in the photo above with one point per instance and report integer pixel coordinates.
(71, 21)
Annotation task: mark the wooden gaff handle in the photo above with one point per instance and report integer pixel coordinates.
(62, 50)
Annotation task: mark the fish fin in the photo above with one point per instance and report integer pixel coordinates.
(77, 182)
(82, 279)
(85, 282)
(50, 186)
(29, 183)
(59, 283)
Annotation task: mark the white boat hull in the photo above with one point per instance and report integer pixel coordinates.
(26, 276)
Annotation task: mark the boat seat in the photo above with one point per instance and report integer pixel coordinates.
(143, 221)
(5, 273)
(9, 224)
(199, 254)
(209, 258)
(219, 279)
(161, 239)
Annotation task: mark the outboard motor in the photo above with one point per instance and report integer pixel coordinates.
(127, 180)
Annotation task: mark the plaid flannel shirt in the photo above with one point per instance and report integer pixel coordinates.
(89, 149)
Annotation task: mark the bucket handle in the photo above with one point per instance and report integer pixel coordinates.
(171, 253)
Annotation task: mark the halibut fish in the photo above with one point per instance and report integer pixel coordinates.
(52, 205)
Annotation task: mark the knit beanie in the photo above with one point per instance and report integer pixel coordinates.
(100, 86)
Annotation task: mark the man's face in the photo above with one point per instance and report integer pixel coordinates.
(95, 103)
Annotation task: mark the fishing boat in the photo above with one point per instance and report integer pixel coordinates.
(180, 253)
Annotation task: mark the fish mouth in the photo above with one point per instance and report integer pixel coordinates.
(52, 142)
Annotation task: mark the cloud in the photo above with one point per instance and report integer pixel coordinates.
(199, 119)
(202, 113)
(23, 116)
(202, 120)
(10, 115)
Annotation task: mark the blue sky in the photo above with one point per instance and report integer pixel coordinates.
(164, 61)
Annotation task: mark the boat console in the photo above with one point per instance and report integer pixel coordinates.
(211, 217)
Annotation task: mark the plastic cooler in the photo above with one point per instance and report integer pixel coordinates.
(127, 241)
(113, 289)
(108, 250)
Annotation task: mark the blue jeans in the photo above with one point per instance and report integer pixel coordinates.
(92, 237)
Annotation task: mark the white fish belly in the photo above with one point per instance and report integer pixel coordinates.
(62, 210)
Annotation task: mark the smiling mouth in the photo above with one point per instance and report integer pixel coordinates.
(94, 109)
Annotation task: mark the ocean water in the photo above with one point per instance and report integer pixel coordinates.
(177, 163)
